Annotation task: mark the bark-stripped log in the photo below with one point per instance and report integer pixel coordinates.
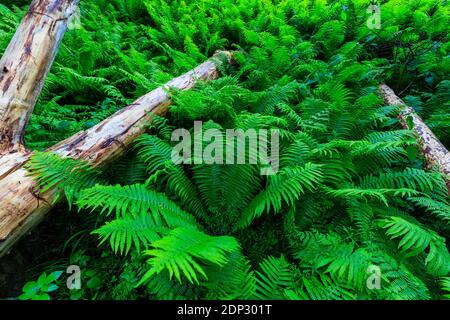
(21, 205)
(25, 65)
(434, 151)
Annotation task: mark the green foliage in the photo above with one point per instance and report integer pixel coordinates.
(283, 188)
(352, 191)
(179, 250)
(65, 174)
(446, 287)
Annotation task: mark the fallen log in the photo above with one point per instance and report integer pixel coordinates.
(25, 66)
(433, 150)
(21, 205)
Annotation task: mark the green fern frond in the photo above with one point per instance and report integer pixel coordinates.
(284, 187)
(336, 93)
(158, 156)
(323, 287)
(139, 230)
(445, 284)
(234, 280)
(65, 174)
(275, 277)
(135, 200)
(182, 251)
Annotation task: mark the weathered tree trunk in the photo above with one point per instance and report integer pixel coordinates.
(25, 65)
(434, 151)
(21, 205)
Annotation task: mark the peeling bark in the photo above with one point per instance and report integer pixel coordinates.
(25, 65)
(22, 206)
(433, 150)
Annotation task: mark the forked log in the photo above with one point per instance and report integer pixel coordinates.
(21, 205)
(23, 70)
(433, 150)
(25, 65)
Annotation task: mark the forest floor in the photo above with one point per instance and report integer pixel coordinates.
(352, 199)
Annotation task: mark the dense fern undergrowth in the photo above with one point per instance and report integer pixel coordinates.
(353, 197)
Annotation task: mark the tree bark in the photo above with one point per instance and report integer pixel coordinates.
(433, 150)
(22, 206)
(25, 65)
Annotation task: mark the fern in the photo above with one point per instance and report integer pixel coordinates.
(234, 280)
(416, 239)
(440, 209)
(138, 230)
(65, 174)
(181, 251)
(285, 187)
(157, 155)
(352, 190)
(274, 279)
(135, 200)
